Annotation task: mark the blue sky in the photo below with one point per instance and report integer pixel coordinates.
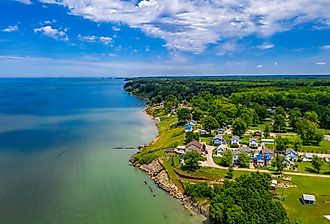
(163, 37)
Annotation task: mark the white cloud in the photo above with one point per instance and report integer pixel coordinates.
(190, 25)
(88, 38)
(27, 2)
(320, 63)
(92, 38)
(326, 47)
(259, 66)
(266, 46)
(106, 40)
(52, 33)
(10, 29)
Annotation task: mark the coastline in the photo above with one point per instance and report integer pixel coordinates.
(158, 174)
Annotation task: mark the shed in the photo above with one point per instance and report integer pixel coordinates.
(308, 199)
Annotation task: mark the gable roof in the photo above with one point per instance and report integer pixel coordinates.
(195, 144)
(289, 150)
(253, 139)
(235, 138)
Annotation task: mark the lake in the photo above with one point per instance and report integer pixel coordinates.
(59, 156)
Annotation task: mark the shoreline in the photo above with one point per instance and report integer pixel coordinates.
(158, 174)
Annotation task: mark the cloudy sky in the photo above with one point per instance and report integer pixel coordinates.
(163, 37)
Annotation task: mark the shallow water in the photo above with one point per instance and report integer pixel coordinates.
(58, 162)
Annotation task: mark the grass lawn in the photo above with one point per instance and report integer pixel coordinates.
(320, 187)
(306, 167)
(323, 148)
(168, 137)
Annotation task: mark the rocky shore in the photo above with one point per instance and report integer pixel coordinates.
(159, 175)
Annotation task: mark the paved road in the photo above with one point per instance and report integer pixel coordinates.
(210, 163)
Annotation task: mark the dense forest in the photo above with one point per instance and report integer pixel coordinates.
(301, 104)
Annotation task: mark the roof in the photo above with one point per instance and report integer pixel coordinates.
(268, 150)
(218, 137)
(253, 139)
(187, 126)
(268, 140)
(194, 143)
(308, 197)
(170, 150)
(309, 155)
(289, 150)
(235, 138)
(245, 149)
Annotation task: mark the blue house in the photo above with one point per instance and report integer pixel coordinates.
(291, 155)
(218, 140)
(188, 128)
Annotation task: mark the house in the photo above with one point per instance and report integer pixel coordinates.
(308, 199)
(220, 150)
(234, 140)
(268, 153)
(257, 133)
(268, 141)
(192, 122)
(221, 131)
(181, 160)
(195, 145)
(180, 149)
(291, 155)
(263, 157)
(308, 157)
(217, 140)
(246, 150)
(170, 151)
(273, 184)
(203, 132)
(253, 142)
(188, 128)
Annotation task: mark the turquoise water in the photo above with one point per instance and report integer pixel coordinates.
(58, 162)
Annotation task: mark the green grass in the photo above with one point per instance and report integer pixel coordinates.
(308, 185)
(306, 167)
(324, 147)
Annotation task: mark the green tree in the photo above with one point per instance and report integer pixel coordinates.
(210, 123)
(239, 127)
(309, 132)
(281, 144)
(280, 111)
(230, 172)
(279, 123)
(183, 115)
(295, 116)
(243, 160)
(278, 163)
(317, 163)
(191, 136)
(240, 199)
(227, 158)
(311, 116)
(268, 129)
(191, 160)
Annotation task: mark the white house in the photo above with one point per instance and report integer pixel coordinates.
(253, 142)
(308, 199)
(308, 157)
(234, 140)
(220, 150)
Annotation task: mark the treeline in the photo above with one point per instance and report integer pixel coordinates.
(245, 200)
(225, 100)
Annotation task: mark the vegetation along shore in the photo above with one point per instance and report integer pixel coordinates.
(241, 149)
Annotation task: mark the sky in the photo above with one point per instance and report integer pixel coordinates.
(57, 38)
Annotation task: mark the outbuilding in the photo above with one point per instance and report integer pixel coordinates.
(308, 199)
